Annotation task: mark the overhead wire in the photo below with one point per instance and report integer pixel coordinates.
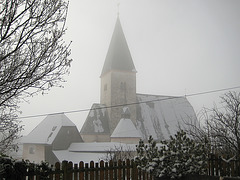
(129, 104)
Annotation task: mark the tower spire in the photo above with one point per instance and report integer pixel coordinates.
(118, 56)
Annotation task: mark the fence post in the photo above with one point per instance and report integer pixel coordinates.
(111, 169)
(64, 168)
(81, 172)
(91, 170)
(69, 171)
(31, 170)
(134, 170)
(86, 171)
(106, 171)
(128, 169)
(124, 169)
(96, 171)
(57, 168)
(139, 173)
(115, 170)
(51, 174)
(75, 171)
(119, 169)
(224, 168)
(102, 170)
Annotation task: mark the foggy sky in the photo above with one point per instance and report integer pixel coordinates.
(178, 48)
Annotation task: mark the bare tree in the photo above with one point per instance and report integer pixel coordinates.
(33, 54)
(121, 152)
(221, 126)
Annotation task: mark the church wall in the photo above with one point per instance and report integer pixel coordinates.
(118, 88)
(127, 140)
(66, 136)
(95, 138)
(124, 88)
(106, 89)
(34, 152)
(50, 157)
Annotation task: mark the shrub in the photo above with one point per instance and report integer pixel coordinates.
(175, 158)
(17, 170)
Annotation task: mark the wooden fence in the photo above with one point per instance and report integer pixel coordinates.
(219, 166)
(120, 170)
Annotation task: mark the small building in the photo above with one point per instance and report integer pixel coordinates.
(94, 151)
(55, 132)
(126, 132)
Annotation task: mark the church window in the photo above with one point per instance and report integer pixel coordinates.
(31, 150)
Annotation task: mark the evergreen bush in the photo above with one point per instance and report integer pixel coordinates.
(178, 157)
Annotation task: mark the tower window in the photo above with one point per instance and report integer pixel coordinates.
(105, 87)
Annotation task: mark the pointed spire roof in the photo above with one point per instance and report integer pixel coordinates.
(118, 55)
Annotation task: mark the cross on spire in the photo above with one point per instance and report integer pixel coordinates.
(118, 5)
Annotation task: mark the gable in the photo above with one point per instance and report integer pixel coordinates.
(97, 121)
(46, 131)
(126, 129)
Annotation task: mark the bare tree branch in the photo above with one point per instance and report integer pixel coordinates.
(222, 128)
(33, 54)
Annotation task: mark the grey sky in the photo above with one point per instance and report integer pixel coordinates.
(178, 47)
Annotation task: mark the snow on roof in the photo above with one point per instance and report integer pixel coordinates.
(46, 131)
(98, 146)
(94, 151)
(163, 117)
(125, 128)
(77, 157)
(97, 120)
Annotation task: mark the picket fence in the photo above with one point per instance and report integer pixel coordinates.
(120, 170)
(223, 166)
(124, 170)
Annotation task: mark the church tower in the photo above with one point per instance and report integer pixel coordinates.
(118, 78)
(114, 118)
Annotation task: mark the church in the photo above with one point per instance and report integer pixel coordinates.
(121, 119)
(125, 115)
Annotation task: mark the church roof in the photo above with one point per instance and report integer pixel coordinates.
(161, 116)
(97, 120)
(125, 129)
(93, 151)
(46, 131)
(118, 55)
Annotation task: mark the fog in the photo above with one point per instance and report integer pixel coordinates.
(178, 48)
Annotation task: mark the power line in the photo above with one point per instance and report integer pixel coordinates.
(129, 104)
